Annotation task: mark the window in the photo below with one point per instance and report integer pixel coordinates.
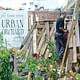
(29, 8)
(36, 5)
(31, 3)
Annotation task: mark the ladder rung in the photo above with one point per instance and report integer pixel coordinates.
(69, 15)
(71, 9)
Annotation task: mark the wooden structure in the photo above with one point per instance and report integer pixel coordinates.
(41, 27)
(34, 42)
(74, 43)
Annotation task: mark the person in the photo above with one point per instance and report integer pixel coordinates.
(60, 36)
(12, 62)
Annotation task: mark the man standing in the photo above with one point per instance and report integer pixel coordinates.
(59, 36)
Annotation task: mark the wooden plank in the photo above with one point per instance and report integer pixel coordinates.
(43, 49)
(34, 41)
(70, 59)
(29, 22)
(26, 55)
(38, 40)
(51, 21)
(41, 42)
(44, 44)
(47, 53)
(51, 34)
(74, 45)
(31, 19)
(29, 75)
(47, 28)
(78, 54)
(71, 4)
(27, 44)
(14, 64)
(47, 20)
(79, 49)
(31, 46)
(28, 35)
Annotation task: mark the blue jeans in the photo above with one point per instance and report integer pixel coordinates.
(61, 40)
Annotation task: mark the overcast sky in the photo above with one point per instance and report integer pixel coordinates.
(15, 4)
(51, 3)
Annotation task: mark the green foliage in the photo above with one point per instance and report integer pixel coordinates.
(79, 4)
(21, 66)
(57, 9)
(37, 78)
(32, 64)
(3, 42)
(52, 50)
(53, 74)
(17, 77)
(44, 62)
(5, 72)
(22, 54)
(53, 59)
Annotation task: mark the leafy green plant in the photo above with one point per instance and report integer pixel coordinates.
(79, 4)
(5, 72)
(37, 78)
(58, 9)
(42, 63)
(52, 50)
(21, 66)
(32, 64)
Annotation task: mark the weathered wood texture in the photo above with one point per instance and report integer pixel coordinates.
(35, 42)
(75, 35)
(14, 64)
(74, 43)
(42, 16)
(70, 59)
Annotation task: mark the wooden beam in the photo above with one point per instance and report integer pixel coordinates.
(79, 49)
(34, 41)
(41, 42)
(38, 40)
(43, 49)
(28, 35)
(74, 44)
(14, 64)
(47, 51)
(29, 22)
(47, 28)
(31, 19)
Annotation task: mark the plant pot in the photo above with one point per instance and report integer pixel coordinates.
(19, 70)
(50, 79)
(26, 73)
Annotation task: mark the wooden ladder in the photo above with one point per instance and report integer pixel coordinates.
(69, 35)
